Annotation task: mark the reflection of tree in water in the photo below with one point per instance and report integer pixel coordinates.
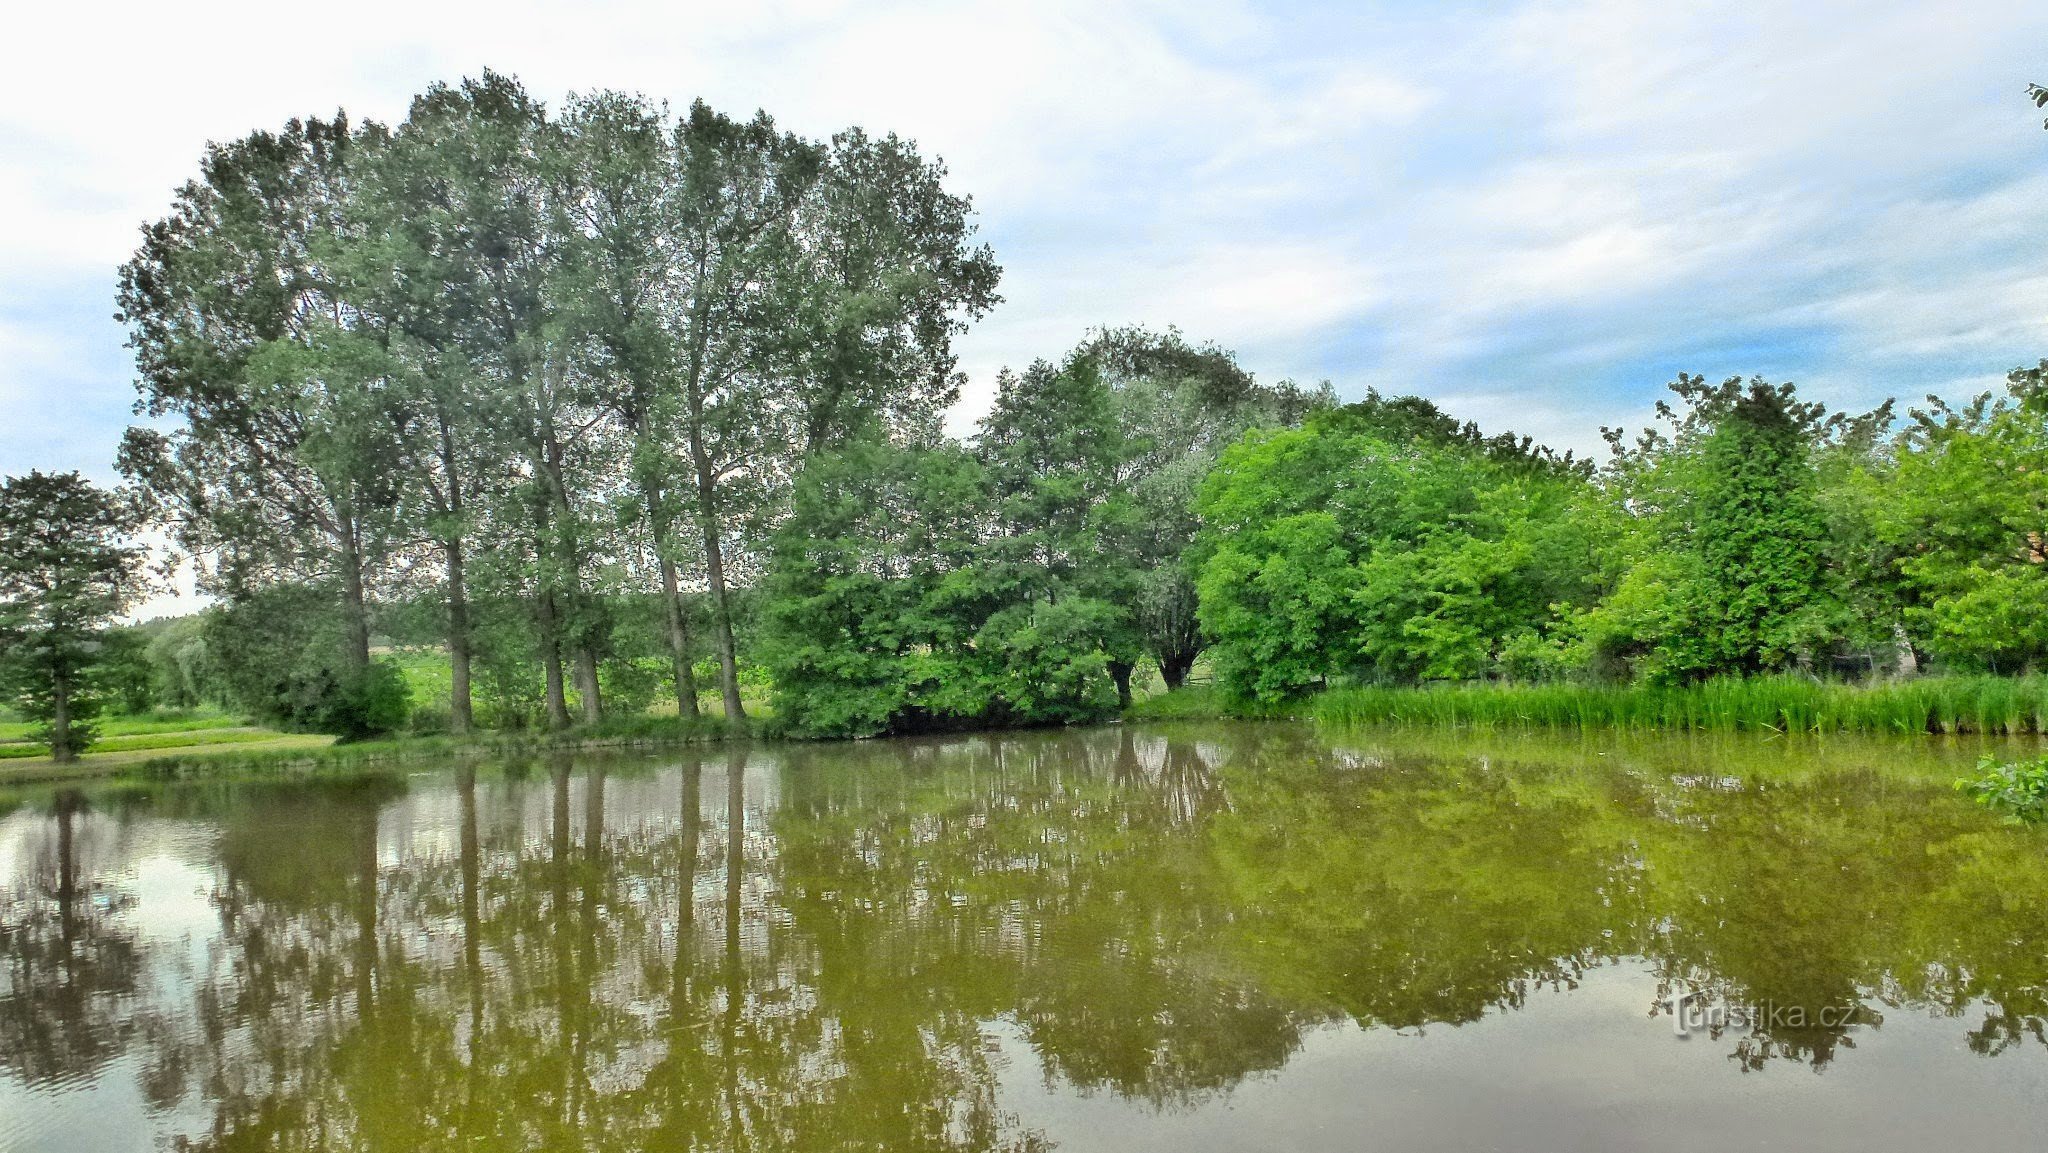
(1408, 892)
(69, 965)
(548, 983)
(1921, 906)
(589, 956)
(1052, 881)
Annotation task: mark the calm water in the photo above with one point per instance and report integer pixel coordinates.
(1181, 939)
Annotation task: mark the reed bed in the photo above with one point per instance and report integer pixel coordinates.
(1997, 706)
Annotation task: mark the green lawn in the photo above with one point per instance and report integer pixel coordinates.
(159, 730)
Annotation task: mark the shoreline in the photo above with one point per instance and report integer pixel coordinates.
(1942, 706)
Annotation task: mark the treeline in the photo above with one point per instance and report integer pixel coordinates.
(615, 405)
(522, 362)
(1750, 533)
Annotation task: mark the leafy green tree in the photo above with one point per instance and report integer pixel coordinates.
(874, 598)
(280, 466)
(1176, 406)
(1731, 568)
(125, 677)
(68, 567)
(1965, 509)
(1383, 541)
(492, 154)
(185, 676)
(275, 651)
(620, 210)
(1053, 446)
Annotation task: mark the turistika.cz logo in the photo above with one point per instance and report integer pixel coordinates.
(1695, 1011)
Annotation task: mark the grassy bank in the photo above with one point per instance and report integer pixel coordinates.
(216, 753)
(162, 729)
(650, 732)
(1990, 706)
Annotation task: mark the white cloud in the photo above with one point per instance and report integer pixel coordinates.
(1530, 210)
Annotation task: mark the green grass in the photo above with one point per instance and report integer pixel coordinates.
(174, 739)
(1992, 706)
(161, 721)
(1197, 703)
(642, 732)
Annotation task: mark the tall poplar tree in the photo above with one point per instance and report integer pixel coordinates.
(280, 466)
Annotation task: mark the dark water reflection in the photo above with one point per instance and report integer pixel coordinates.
(1176, 938)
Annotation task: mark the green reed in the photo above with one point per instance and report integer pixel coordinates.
(1998, 706)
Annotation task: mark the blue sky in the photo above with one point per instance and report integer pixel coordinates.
(1535, 214)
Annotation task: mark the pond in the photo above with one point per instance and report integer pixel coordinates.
(1178, 938)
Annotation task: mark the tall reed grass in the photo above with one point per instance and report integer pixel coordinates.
(2008, 706)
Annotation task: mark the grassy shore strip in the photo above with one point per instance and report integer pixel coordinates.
(1990, 706)
(275, 747)
(289, 752)
(174, 739)
(638, 733)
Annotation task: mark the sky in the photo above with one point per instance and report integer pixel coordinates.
(1534, 214)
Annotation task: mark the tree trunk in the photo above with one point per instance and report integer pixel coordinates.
(551, 659)
(672, 604)
(679, 641)
(1173, 669)
(461, 713)
(558, 535)
(586, 683)
(60, 719)
(355, 609)
(461, 709)
(1120, 672)
(714, 569)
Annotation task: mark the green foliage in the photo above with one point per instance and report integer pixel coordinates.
(1730, 559)
(1384, 542)
(2019, 789)
(125, 678)
(873, 596)
(1964, 508)
(184, 674)
(280, 661)
(67, 569)
(608, 401)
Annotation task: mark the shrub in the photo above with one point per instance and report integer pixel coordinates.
(2019, 789)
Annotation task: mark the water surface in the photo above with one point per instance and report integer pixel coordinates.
(1174, 938)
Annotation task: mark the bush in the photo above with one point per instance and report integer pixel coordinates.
(2019, 789)
(372, 703)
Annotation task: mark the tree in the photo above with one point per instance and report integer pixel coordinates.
(873, 596)
(1965, 509)
(1177, 405)
(1731, 569)
(274, 648)
(67, 569)
(282, 466)
(619, 215)
(489, 156)
(1385, 542)
(1053, 446)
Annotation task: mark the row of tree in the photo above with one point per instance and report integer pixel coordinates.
(609, 403)
(527, 358)
(1752, 532)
